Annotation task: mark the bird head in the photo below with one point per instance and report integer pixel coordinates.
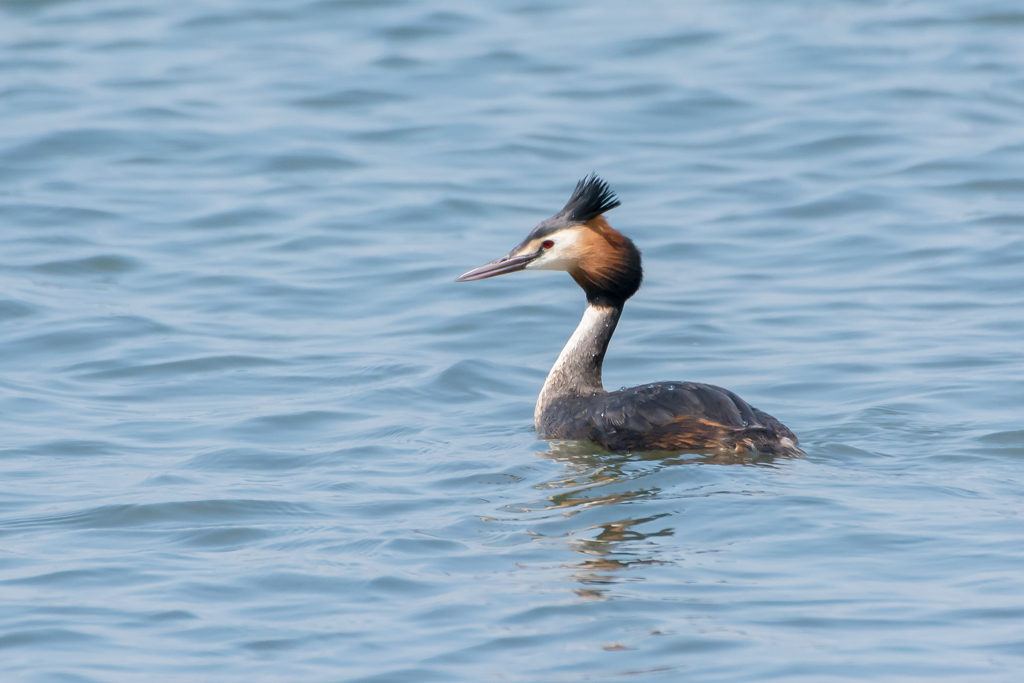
(578, 240)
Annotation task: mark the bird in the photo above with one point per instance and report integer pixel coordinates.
(573, 404)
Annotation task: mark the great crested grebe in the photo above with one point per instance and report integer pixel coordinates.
(573, 405)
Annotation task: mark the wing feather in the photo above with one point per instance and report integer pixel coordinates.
(670, 416)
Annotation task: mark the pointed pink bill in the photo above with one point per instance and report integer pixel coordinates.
(506, 264)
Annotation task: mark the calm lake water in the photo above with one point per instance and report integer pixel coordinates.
(253, 431)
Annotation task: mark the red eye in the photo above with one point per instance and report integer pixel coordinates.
(547, 244)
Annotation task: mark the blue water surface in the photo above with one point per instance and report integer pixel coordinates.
(251, 429)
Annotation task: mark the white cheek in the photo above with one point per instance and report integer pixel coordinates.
(562, 256)
(551, 261)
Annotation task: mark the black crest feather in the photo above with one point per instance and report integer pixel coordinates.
(591, 198)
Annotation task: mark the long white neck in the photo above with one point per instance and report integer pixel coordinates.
(577, 372)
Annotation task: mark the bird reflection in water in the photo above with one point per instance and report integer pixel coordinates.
(618, 545)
